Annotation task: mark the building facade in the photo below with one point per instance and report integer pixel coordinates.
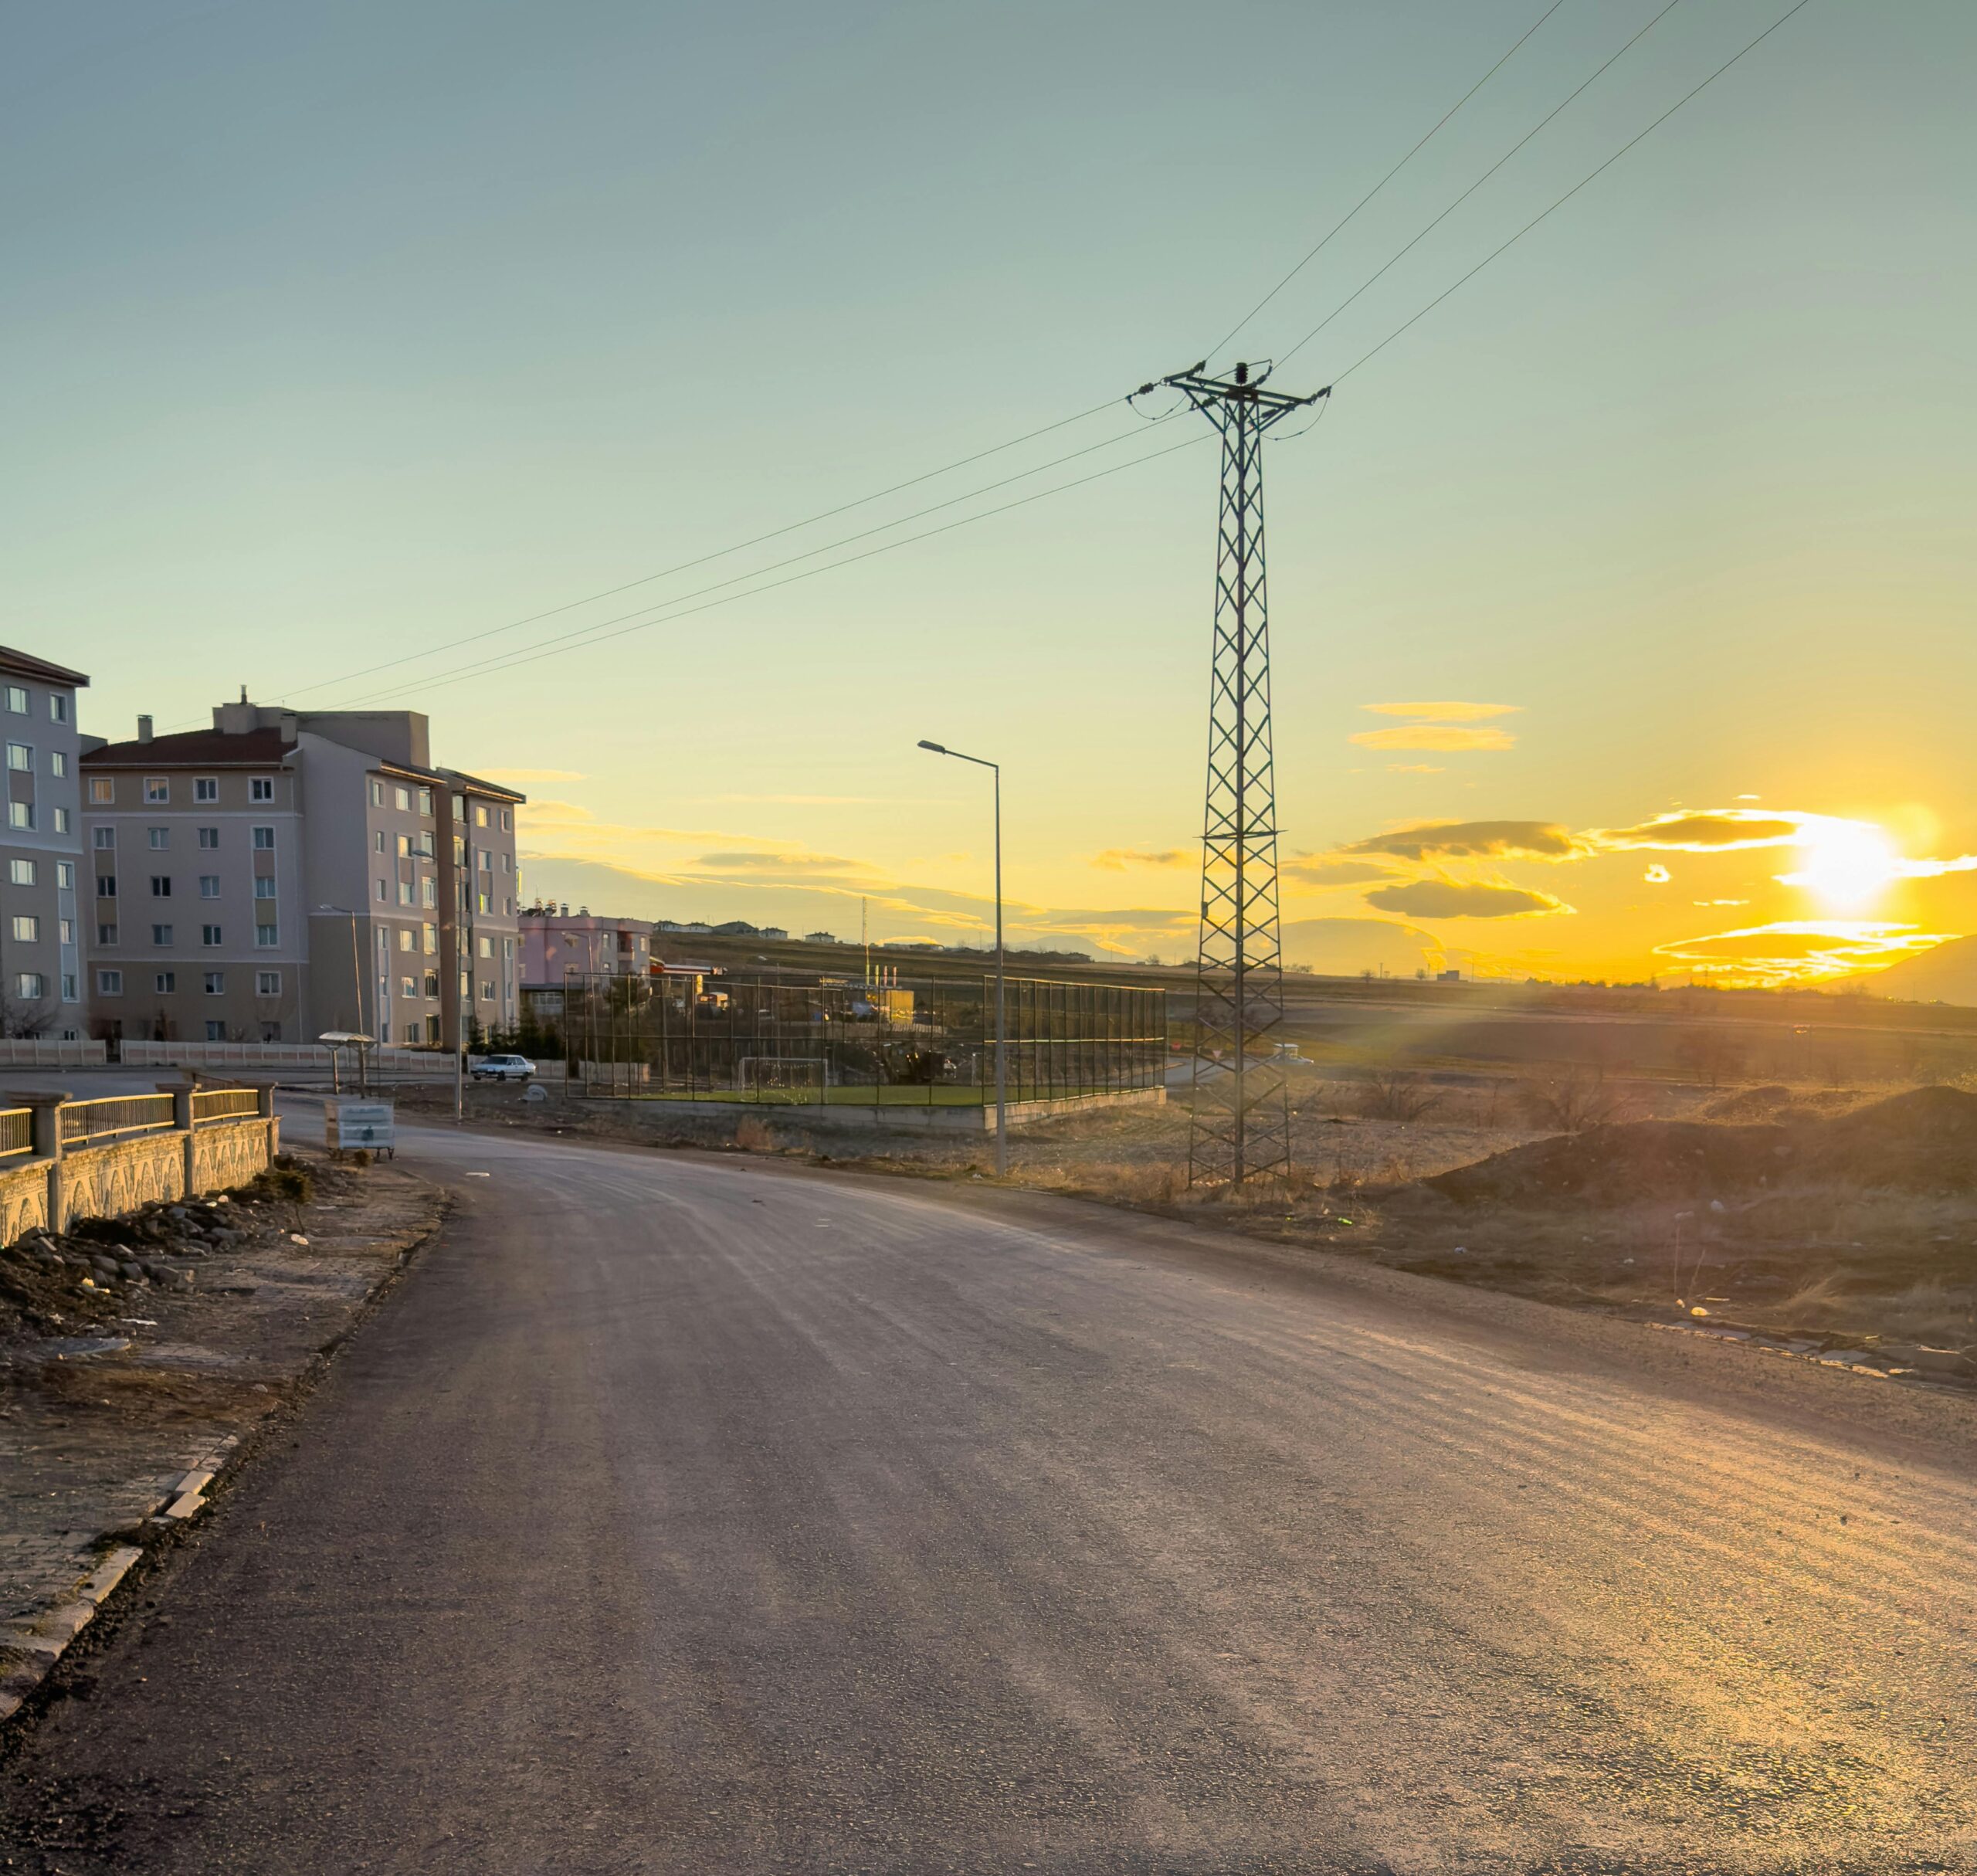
(287, 874)
(555, 940)
(42, 952)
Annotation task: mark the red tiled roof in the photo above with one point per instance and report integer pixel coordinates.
(193, 749)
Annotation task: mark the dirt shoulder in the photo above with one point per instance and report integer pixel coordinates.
(137, 1358)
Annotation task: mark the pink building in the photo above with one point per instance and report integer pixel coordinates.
(555, 940)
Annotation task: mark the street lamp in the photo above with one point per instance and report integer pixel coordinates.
(1002, 1043)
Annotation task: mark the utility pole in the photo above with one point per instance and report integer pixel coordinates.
(1240, 1127)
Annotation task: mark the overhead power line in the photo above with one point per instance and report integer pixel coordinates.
(561, 647)
(701, 560)
(579, 635)
(1401, 253)
(1751, 46)
(1313, 254)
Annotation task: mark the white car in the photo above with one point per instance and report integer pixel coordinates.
(501, 1068)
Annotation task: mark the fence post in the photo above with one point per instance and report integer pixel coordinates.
(46, 1125)
(182, 1120)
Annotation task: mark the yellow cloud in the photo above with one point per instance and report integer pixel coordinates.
(1658, 875)
(1443, 712)
(1800, 950)
(1117, 859)
(1463, 899)
(1473, 840)
(1445, 736)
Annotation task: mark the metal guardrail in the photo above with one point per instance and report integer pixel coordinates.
(225, 1104)
(86, 1121)
(16, 1132)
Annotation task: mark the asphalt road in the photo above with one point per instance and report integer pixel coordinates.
(693, 1514)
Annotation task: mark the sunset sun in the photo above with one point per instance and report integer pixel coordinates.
(1847, 864)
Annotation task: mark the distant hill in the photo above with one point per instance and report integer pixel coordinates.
(1947, 974)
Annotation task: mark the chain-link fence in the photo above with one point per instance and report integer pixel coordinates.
(824, 1041)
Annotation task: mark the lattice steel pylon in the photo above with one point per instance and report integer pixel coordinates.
(1240, 1128)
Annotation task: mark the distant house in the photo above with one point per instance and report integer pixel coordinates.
(689, 925)
(735, 928)
(772, 931)
(821, 938)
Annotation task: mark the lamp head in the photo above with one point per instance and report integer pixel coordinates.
(938, 749)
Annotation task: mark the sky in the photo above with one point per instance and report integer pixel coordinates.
(372, 353)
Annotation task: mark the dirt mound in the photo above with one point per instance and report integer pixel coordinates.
(1749, 1103)
(1925, 1140)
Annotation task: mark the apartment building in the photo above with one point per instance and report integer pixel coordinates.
(555, 940)
(288, 872)
(41, 849)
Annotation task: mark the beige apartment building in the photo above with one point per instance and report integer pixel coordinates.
(288, 872)
(41, 849)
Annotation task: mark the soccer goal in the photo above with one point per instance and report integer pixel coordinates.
(793, 1076)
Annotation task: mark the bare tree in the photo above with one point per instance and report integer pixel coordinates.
(1574, 1100)
(24, 1017)
(1397, 1094)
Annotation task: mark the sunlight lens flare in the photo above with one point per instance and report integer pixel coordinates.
(1848, 863)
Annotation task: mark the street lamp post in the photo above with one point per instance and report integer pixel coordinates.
(356, 985)
(1001, 1039)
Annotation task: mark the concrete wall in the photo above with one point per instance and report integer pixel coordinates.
(118, 1176)
(903, 1118)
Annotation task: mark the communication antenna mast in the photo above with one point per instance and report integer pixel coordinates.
(1240, 1128)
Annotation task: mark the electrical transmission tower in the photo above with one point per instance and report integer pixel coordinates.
(1241, 1125)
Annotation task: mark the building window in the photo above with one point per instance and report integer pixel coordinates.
(19, 756)
(106, 935)
(507, 863)
(20, 871)
(487, 901)
(415, 1031)
(210, 886)
(377, 793)
(480, 814)
(377, 841)
(264, 839)
(264, 886)
(271, 1031)
(486, 991)
(261, 788)
(102, 790)
(17, 699)
(407, 986)
(384, 892)
(401, 800)
(106, 885)
(429, 935)
(209, 935)
(30, 986)
(216, 1030)
(267, 983)
(160, 886)
(58, 707)
(104, 837)
(404, 892)
(432, 983)
(425, 800)
(65, 876)
(267, 937)
(58, 762)
(165, 983)
(61, 820)
(209, 838)
(20, 814)
(507, 821)
(65, 931)
(70, 992)
(215, 983)
(158, 839)
(26, 928)
(156, 788)
(487, 948)
(161, 934)
(428, 892)
(405, 938)
(205, 788)
(110, 983)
